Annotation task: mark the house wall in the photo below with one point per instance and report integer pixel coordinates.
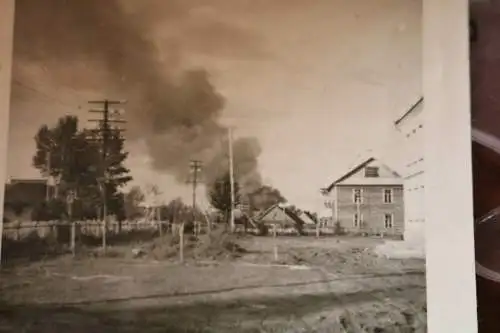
(372, 208)
(412, 152)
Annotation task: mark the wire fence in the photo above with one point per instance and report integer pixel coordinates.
(93, 228)
(60, 230)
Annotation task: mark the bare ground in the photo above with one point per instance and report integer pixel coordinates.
(317, 285)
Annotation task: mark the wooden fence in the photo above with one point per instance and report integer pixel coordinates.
(94, 228)
(18, 230)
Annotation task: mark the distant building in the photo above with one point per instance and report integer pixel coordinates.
(280, 216)
(368, 199)
(410, 125)
(22, 196)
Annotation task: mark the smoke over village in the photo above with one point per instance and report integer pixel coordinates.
(173, 108)
(213, 166)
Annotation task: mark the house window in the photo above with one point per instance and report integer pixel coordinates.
(388, 221)
(371, 172)
(357, 220)
(357, 195)
(387, 195)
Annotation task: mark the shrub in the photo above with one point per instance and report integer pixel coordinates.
(338, 229)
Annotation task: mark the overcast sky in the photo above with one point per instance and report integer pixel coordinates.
(318, 82)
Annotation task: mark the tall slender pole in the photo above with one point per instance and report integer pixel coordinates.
(195, 166)
(69, 201)
(104, 129)
(105, 139)
(231, 177)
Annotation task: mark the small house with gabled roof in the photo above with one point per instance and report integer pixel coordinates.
(280, 216)
(368, 199)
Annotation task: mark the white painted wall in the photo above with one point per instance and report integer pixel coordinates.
(411, 129)
(6, 38)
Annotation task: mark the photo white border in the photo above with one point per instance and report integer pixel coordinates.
(6, 50)
(451, 296)
(451, 282)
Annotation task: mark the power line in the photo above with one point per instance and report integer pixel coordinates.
(104, 130)
(43, 94)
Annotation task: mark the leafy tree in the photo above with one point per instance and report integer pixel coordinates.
(56, 148)
(133, 199)
(176, 211)
(220, 195)
(54, 209)
(75, 158)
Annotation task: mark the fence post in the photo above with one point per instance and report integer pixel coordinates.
(275, 243)
(73, 237)
(181, 242)
(18, 231)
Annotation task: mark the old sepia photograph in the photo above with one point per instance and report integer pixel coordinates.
(218, 166)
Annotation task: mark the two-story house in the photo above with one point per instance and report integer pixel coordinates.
(368, 199)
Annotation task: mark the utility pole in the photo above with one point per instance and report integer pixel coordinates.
(48, 166)
(195, 166)
(105, 130)
(231, 176)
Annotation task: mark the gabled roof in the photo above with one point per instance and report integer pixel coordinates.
(289, 213)
(28, 191)
(351, 173)
(409, 111)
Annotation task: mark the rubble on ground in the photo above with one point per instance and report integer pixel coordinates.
(218, 244)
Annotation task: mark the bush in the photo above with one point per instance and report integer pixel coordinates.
(338, 230)
(48, 211)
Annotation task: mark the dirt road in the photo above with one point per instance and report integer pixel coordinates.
(113, 295)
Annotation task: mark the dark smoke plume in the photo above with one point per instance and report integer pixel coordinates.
(108, 45)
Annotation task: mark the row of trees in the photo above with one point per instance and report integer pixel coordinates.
(219, 195)
(74, 158)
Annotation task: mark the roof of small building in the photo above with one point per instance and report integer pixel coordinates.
(28, 191)
(307, 218)
(259, 218)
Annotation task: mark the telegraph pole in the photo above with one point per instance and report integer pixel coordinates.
(195, 167)
(231, 176)
(105, 130)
